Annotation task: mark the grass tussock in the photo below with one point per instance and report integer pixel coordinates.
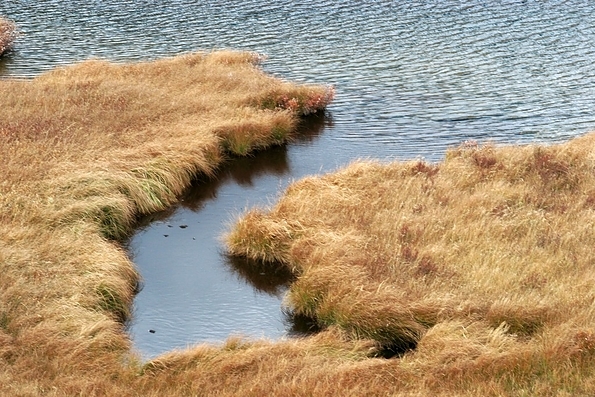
(85, 150)
(483, 263)
(8, 33)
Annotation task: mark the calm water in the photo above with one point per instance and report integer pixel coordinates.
(412, 79)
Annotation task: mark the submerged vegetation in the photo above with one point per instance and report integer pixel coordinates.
(8, 33)
(478, 270)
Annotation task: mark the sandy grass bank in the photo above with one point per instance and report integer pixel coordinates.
(85, 150)
(8, 33)
(480, 268)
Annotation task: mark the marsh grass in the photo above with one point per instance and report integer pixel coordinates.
(478, 271)
(481, 265)
(8, 34)
(87, 149)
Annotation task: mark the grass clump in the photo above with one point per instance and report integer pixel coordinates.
(482, 262)
(8, 33)
(86, 149)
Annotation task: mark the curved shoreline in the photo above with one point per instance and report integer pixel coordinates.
(477, 271)
(488, 259)
(88, 149)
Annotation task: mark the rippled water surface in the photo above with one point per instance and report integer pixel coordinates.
(412, 79)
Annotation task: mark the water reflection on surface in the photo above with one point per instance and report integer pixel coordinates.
(194, 292)
(272, 278)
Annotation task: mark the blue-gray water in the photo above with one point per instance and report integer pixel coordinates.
(412, 79)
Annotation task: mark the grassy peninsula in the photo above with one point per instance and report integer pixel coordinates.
(8, 33)
(85, 150)
(479, 271)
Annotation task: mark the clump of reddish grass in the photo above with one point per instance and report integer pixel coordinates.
(304, 102)
(8, 33)
(482, 261)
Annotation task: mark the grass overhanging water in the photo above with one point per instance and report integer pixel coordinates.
(86, 150)
(476, 270)
(481, 265)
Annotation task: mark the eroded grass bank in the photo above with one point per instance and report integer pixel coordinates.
(8, 33)
(484, 263)
(85, 150)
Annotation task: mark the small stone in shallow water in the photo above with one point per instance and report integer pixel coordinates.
(183, 226)
(166, 235)
(152, 331)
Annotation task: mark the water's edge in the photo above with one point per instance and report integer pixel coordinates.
(411, 79)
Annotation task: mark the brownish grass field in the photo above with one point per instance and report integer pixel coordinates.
(484, 263)
(480, 268)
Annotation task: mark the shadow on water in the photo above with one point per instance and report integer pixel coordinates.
(300, 325)
(191, 290)
(272, 278)
(4, 61)
(243, 170)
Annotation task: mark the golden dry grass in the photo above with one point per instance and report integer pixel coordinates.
(85, 150)
(8, 33)
(483, 263)
(481, 268)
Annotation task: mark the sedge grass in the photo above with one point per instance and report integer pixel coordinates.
(85, 150)
(483, 263)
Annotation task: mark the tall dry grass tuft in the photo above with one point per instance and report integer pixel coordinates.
(85, 150)
(8, 33)
(483, 264)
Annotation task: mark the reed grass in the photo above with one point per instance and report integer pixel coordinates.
(86, 150)
(8, 33)
(478, 270)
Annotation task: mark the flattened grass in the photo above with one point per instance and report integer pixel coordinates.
(483, 263)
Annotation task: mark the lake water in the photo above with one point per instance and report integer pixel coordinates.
(412, 79)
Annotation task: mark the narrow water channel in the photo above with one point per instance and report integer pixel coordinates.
(194, 291)
(412, 79)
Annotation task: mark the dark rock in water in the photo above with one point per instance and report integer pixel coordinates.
(152, 331)
(166, 235)
(183, 226)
